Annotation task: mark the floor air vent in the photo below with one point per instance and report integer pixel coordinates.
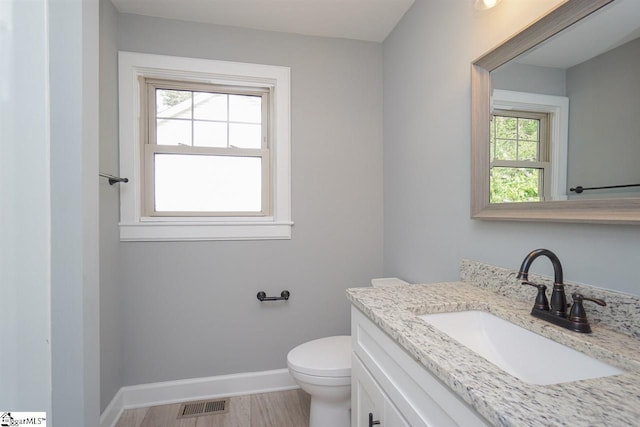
(204, 407)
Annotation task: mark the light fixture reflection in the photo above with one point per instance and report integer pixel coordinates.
(485, 4)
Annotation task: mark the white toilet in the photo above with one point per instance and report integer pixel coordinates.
(322, 368)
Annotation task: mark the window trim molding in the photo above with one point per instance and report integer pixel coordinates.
(136, 227)
(558, 106)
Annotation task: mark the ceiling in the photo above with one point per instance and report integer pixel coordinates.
(369, 20)
(606, 29)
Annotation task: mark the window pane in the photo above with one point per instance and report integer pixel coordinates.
(210, 106)
(506, 150)
(173, 132)
(192, 183)
(506, 127)
(244, 108)
(528, 150)
(245, 136)
(515, 138)
(209, 134)
(173, 103)
(528, 129)
(515, 185)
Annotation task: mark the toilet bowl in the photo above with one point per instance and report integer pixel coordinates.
(322, 368)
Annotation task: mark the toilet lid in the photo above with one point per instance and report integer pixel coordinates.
(324, 357)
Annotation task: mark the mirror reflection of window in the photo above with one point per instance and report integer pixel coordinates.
(613, 25)
(519, 152)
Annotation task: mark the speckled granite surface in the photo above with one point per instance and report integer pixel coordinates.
(501, 398)
(622, 312)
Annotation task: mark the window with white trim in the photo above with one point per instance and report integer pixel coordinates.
(550, 181)
(519, 152)
(205, 145)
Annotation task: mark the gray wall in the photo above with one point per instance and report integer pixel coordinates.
(427, 150)
(530, 78)
(189, 309)
(604, 126)
(75, 332)
(111, 327)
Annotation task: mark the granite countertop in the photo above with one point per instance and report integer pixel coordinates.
(502, 399)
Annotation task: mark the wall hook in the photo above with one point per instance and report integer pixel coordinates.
(113, 179)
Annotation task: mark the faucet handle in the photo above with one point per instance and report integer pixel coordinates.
(542, 303)
(577, 313)
(579, 297)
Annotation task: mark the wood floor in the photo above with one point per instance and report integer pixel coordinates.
(278, 409)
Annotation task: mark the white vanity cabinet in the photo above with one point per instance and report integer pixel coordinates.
(395, 389)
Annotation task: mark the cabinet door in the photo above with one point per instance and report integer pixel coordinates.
(392, 416)
(368, 398)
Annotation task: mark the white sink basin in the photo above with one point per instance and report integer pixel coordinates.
(528, 356)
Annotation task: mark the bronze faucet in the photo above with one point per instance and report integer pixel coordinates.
(556, 313)
(558, 297)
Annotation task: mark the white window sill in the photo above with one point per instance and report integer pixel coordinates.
(162, 231)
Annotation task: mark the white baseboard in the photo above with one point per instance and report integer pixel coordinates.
(194, 389)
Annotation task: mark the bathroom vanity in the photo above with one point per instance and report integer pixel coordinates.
(407, 372)
(390, 387)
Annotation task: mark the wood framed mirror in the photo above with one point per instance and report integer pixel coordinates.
(625, 210)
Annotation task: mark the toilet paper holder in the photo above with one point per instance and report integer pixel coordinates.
(284, 295)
